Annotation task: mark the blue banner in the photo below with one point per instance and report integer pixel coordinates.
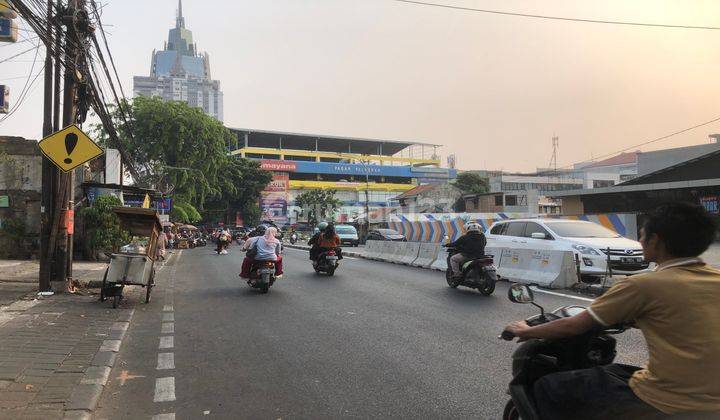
(361, 170)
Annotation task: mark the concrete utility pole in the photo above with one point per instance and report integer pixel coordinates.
(58, 188)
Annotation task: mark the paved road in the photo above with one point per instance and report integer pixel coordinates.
(376, 340)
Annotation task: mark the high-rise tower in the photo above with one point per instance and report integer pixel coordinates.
(180, 73)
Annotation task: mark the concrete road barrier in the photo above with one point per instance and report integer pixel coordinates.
(374, 249)
(408, 253)
(427, 254)
(554, 269)
(390, 250)
(440, 262)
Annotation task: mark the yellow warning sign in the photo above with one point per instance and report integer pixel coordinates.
(69, 148)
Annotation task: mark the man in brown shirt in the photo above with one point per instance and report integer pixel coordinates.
(677, 307)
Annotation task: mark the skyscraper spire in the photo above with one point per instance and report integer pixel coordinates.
(180, 23)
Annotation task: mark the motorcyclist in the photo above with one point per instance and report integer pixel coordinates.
(313, 242)
(676, 307)
(248, 260)
(328, 240)
(269, 248)
(470, 246)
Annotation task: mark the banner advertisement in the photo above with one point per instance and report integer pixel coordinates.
(274, 199)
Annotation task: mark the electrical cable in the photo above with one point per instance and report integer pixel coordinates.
(568, 19)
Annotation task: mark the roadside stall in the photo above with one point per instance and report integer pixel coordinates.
(134, 264)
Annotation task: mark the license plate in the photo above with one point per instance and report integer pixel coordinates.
(628, 260)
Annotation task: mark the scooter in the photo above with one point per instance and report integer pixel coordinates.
(536, 358)
(327, 262)
(262, 275)
(478, 274)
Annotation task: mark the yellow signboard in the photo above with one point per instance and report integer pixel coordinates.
(69, 148)
(6, 9)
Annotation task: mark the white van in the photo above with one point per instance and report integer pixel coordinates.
(590, 242)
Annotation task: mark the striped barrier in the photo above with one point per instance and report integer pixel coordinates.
(427, 254)
(433, 228)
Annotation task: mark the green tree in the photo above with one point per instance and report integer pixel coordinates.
(472, 183)
(184, 213)
(182, 151)
(103, 226)
(317, 204)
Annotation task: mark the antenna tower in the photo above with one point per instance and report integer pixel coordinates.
(553, 159)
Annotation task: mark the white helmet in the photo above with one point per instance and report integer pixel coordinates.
(473, 227)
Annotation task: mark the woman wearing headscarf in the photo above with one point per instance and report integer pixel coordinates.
(269, 248)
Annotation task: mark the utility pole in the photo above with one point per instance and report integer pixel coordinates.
(48, 169)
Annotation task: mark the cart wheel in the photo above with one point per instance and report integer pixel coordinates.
(150, 285)
(115, 301)
(103, 298)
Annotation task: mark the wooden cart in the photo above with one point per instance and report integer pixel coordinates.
(133, 266)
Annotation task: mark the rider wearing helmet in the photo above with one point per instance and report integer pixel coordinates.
(470, 246)
(314, 241)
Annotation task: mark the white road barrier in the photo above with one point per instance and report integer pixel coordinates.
(408, 253)
(390, 250)
(374, 249)
(427, 254)
(440, 262)
(554, 269)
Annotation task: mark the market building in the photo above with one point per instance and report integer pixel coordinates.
(364, 172)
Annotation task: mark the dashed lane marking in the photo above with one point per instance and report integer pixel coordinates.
(166, 361)
(167, 328)
(167, 308)
(168, 317)
(166, 342)
(164, 389)
(165, 416)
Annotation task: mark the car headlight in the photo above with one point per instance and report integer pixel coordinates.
(585, 250)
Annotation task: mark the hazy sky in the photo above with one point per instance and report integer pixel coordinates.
(491, 89)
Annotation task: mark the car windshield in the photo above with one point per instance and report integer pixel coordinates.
(581, 230)
(345, 230)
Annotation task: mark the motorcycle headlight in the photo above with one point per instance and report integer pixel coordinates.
(585, 250)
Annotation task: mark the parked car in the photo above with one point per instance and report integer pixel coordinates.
(348, 235)
(589, 241)
(385, 235)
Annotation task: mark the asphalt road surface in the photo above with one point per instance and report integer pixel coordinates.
(376, 341)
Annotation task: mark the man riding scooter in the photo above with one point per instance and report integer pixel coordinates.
(676, 307)
(470, 246)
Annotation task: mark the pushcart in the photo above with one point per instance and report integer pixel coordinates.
(134, 264)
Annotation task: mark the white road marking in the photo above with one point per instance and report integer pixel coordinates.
(167, 308)
(547, 292)
(166, 361)
(110, 345)
(164, 389)
(167, 328)
(168, 317)
(166, 416)
(166, 342)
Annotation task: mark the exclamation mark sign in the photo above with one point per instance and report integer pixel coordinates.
(71, 140)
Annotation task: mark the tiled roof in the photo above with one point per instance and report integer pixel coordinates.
(621, 159)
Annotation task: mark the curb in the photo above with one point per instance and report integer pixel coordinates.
(86, 396)
(307, 248)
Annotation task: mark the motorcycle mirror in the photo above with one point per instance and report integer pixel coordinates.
(520, 293)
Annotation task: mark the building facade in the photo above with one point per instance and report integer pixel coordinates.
(180, 73)
(365, 173)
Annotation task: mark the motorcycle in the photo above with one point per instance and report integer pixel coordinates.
(327, 262)
(536, 358)
(478, 274)
(262, 275)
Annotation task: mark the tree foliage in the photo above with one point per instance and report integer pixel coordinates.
(472, 183)
(318, 204)
(103, 226)
(182, 151)
(184, 213)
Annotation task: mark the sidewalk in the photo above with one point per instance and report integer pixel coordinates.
(56, 352)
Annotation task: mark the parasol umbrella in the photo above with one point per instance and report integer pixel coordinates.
(188, 227)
